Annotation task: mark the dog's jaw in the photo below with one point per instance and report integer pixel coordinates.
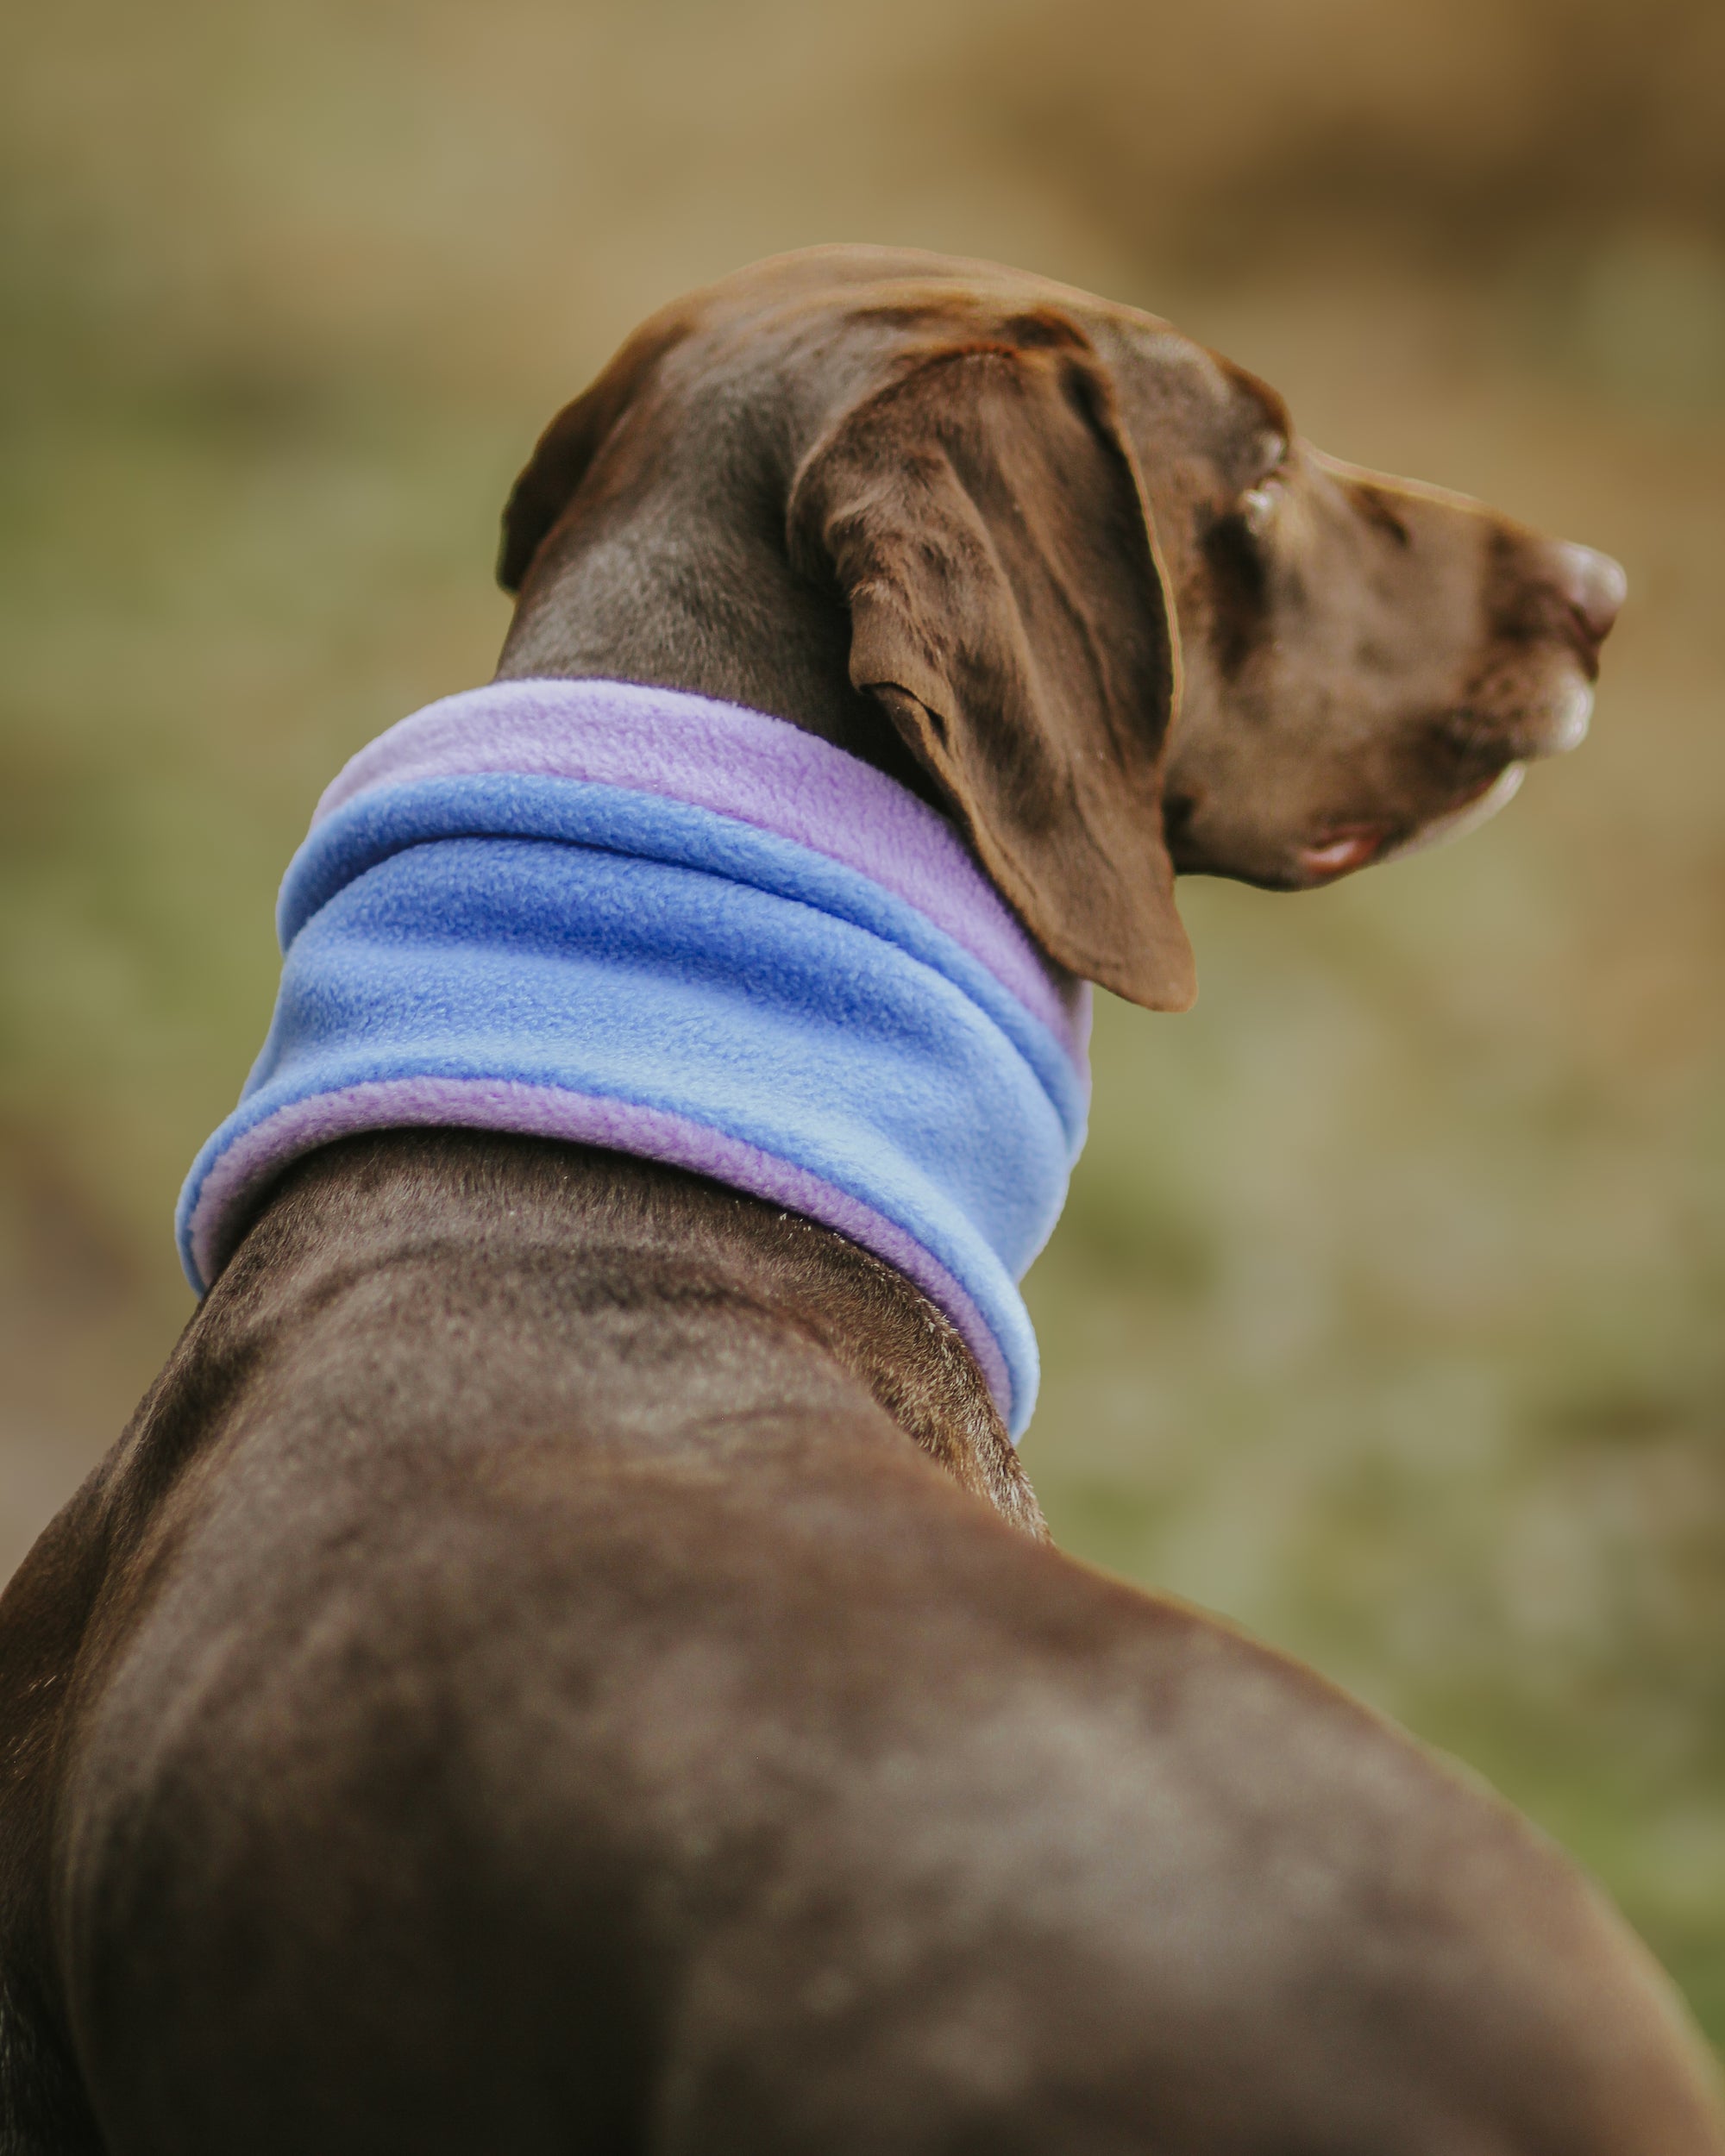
(1468, 816)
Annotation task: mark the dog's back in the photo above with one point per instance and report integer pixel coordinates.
(537, 1699)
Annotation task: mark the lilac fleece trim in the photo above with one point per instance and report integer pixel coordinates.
(258, 1154)
(762, 770)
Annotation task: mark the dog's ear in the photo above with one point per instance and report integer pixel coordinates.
(552, 475)
(984, 519)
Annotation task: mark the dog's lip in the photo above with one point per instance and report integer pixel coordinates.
(1340, 852)
(1558, 724)
(1476, 745)
(1475, 807)
(1345, 847)
(1564, 726)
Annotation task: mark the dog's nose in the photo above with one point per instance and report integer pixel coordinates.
(1592, 585)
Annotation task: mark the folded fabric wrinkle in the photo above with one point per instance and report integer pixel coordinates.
(642, 920)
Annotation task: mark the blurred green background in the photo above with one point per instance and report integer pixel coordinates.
(1384, 1316)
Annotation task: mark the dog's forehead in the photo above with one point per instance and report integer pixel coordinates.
(860, 282)
(819, 296)
(835, 292)
(812, 271)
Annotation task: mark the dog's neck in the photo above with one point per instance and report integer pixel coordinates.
(660, 1307)
(721, 614)
(688, 594)
(638, 919)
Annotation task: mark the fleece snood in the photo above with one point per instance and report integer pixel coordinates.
(644, 920)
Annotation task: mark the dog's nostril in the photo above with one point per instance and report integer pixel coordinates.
(1592, 586)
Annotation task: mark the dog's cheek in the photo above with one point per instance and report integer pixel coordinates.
(1237, 609)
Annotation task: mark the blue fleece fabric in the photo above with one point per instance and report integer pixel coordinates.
(629, 948)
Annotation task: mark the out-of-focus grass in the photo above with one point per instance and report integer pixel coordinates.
(1385, 1316)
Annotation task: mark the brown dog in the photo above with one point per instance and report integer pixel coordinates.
(532, 1676)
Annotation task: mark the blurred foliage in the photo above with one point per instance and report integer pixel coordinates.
(1384, 1316)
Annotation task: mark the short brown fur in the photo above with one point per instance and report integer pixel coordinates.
(565, 1659)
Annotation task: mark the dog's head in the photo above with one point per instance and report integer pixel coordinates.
(1125, 620)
